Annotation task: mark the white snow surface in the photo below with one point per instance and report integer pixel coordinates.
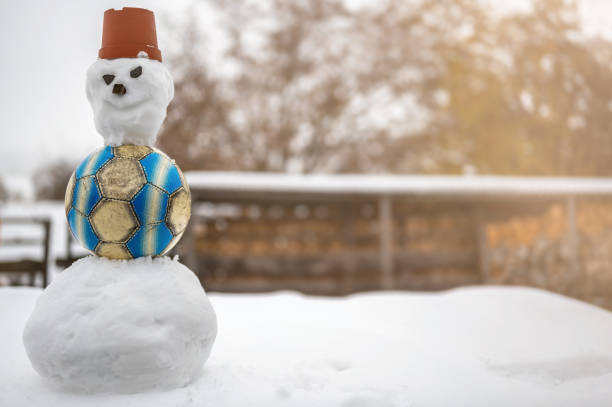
(136, 116)
(484, 346)
(121, 326)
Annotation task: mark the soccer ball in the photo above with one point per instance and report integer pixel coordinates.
(128, 201)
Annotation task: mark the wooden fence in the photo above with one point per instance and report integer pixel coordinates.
(337, 235)
(342, 234)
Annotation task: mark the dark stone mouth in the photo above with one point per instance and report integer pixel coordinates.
(119, 89)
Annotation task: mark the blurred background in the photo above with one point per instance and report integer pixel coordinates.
(338, 146)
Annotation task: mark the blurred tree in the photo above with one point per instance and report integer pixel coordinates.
(51, 181)
(307, 90)
(527, 94)
(427, 86)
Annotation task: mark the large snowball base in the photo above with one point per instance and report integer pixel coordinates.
(121, 326)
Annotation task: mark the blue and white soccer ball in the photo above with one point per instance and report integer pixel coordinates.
(128, 201)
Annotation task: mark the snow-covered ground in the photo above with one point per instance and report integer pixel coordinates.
(468, 347)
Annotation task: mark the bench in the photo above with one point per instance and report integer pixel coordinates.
(23, 264)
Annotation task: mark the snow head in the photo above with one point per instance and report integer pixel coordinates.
(129, 97)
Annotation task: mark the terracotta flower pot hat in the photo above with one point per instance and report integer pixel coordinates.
(127, 32)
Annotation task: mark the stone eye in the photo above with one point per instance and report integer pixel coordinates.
(108, 78)
(136, 72)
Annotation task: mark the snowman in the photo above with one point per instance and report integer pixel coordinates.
(125, 319)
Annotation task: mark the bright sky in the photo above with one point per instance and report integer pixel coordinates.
(45, 50)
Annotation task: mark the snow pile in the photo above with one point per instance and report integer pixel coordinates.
(468, 347)
(121, 326)
(129, 97)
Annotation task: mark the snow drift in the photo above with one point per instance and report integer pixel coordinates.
(472, 347)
